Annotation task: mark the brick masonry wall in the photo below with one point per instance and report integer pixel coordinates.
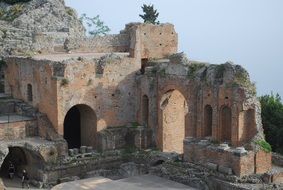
(18, 130)
(203, 154)
(23, 71)
(263, 162)
(108, 89)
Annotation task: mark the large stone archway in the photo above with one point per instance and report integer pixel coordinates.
(22, 158)
(80, 126)
(172, 121)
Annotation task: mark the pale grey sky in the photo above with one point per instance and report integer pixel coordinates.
(247, 32)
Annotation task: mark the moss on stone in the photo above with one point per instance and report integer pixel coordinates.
(193, 68)
(64, 82)
(220, 69)
(265, 146)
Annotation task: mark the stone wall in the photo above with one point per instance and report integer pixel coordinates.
(263, 162)
(152, 41)
(99, 44)
(138, 137)
(18, 130)
(107, 85)
(49, 42)
(21, 72)
(234, 117)
(225, 159)
(20, 32)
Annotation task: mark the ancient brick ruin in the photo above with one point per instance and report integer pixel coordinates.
(133, 89)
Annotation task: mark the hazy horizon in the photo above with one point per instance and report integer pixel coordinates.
(248, 33)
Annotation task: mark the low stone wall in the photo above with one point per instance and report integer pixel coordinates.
(225, 159)
(99, 44)
(277, 159)
(263, 162)
(277, 178)
(80, 167)
(49, 42)
(18, 130)
(121, 137)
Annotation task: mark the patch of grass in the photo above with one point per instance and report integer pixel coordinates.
(265, 146)
(135, 124)
(193, 68)
(2, 12)
(215, 142)
(64, 82)
(89, 82)
(242, 79)
(162, 72)
(70, 11)
(220, 69)
(15, 11)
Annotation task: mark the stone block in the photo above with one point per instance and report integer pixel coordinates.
(71, 152)
(225, 170)
(76, 151)
(89, 149)
(83, 149)
(240, 151)
(212, 166)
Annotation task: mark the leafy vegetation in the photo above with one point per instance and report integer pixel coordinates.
(220, 69)
(135, 124)
(70, 11)
(193, 68)
(94, 26)
(265, 146)
(272, 120)
(150, 14)
(11, 13)
(11, 2)
(64, 82)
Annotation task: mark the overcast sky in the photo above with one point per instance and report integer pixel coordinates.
(247, 32)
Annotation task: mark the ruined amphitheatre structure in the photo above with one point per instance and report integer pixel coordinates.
(77, 98)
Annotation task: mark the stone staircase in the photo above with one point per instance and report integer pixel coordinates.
(11, 106)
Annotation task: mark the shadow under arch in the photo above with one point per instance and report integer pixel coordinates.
(226, 124)
(23, 158)
(80, 126)
(172, 119)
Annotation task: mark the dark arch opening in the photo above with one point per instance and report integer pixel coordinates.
(145, 110)
(72, 128)
(29, 93)
(226, 124)
(17, 157)
(158, 162)
(208, 121)
(80, 126)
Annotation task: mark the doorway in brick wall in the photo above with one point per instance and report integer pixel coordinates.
(80, 126)
(173, 106)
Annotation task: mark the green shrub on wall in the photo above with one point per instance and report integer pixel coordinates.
(265, 146)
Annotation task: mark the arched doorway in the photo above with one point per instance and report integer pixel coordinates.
(145, 111)
(80, 126)
(17, 157)
(226, 124)
(173, 107)
(22, 158)
(207, 131)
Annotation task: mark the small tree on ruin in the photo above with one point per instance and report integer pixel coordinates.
(95, 26)
(150, 14)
